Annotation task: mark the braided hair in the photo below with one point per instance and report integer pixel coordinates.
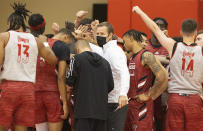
(16, 19)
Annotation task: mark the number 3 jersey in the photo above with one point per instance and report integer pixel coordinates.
(186, 69)
(20, 59)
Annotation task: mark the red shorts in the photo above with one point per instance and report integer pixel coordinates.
(139, 116)
(184, 113)
(159, 113)
(48, 107)
(17, 103)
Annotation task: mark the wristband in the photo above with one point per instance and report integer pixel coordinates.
(46, 44)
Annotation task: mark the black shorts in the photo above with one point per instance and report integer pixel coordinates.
(87, 124)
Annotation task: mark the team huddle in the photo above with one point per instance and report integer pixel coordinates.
(97, 81)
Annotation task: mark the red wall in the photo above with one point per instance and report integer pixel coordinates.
(174, 11)
(119, 14)
(200, 14)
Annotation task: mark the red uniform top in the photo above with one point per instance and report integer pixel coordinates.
(46, 78)
(141, 78)
(156, 49)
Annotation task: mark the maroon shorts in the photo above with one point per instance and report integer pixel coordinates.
(139, 116)
(17, 103)
(159, 113)
(48, 107)
(184, 113)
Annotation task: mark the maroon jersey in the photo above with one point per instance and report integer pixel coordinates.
(46, 78)
(156, 49)
(141, 77)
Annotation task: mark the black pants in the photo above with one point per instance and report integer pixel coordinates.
(88, 124)
(116, 118)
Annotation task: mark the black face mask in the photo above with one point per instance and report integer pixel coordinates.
(101, 41)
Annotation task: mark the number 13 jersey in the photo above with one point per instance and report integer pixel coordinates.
(20, 58)
(186, 69)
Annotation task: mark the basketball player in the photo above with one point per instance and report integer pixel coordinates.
(49, 85)
(199, 38)
(18, 56)
(186, 70)
(142, 67)
(161, 54)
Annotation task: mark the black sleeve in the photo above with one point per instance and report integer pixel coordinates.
(174, 49)
(202, 51)
(72, 75)
(110, 82)
(61, 51)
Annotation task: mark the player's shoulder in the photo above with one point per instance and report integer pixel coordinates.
(4, 37)
(147, 57)
(4, 34)
(60, 45)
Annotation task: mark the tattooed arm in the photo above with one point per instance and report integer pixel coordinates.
(161, 80)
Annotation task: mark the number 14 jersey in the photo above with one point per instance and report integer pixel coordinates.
(20, 59)
(186, 69)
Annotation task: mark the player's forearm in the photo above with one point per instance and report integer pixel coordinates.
(62, 89)
(162, 59)
(160, 84)
(51, 58)
(1, 53)
(148, 21)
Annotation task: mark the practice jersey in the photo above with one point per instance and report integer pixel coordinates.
(141, 77)
(20, 59)
(156, 49)
(46, 79)
(186, 69)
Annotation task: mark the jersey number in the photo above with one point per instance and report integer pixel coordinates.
(189, 68)
(25, 53)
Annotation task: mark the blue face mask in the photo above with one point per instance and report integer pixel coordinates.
(101, 41)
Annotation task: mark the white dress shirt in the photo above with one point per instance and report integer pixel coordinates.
(96, 49)
(118, 62)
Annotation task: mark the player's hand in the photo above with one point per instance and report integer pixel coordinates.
(80, 15)
(122, 101)
(80, 32)
(201, 96)
(42, 38)
(142, 98)
(65, 111)
(87, 37)
(136, 9)
(55, 27)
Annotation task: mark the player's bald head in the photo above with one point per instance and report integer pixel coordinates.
(82, 45)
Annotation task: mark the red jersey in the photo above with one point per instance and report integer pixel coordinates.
(141, 78)
(156, 49)
(46, 78)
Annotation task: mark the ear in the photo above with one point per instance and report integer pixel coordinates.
(77, 51)
(195, 33)
(131, 39)
(111, 36)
